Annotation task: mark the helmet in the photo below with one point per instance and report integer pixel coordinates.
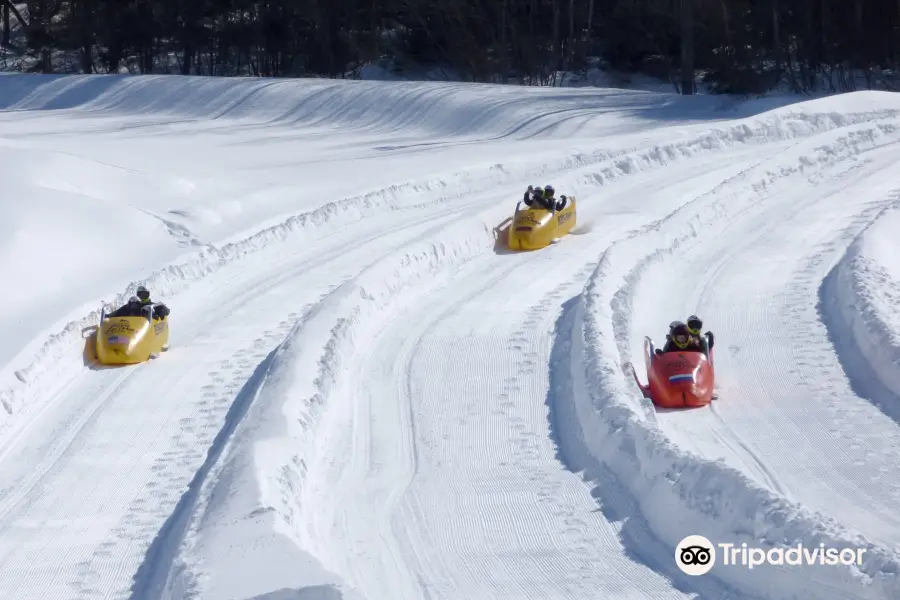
(695, 324)
(681, 335)
(133, 300)
(143, 293)
(548, 191)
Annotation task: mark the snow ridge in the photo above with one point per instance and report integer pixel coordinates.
(298, 398)
(619, 429)
(713, 208)
(175, 277)
(779, 125)
(161, 553)
(859, 301)
(282, 486)
(283, 424)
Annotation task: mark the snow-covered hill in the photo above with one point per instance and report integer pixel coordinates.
(368, 398)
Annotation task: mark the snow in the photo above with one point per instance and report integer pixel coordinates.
(368, 397)
(859, 299)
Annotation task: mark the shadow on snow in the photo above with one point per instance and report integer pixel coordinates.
(864, 380)
(153, 573)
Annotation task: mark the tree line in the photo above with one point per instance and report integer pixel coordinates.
(734, 46)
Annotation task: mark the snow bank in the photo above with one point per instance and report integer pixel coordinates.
(470, 107)
(255, 490)
(439, 109)
(93, 211)
(97, 207)
(50, 238)
(137, 178)
(682, 494)
(860, 300)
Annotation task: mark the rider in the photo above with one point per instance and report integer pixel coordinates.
(136, 306)
(543, 196)
(160, 310)
(549, 200)
(132, 308)
(695, 325)
(681, 340)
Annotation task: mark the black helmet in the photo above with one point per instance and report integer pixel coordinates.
(695, 324)
(143, 293)
(548, 191)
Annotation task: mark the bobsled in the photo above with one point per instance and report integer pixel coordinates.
(131, 340)
(678, 379)
(535, 227)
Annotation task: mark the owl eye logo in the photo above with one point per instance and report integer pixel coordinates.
(695, 555)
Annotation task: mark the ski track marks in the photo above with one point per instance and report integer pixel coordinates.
(771, 300)
(166, 426)
(378, 470)
(473, 504)
(323, 453)
(462, 422)
(754, 267)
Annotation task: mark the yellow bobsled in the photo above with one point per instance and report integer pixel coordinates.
(537, 227)
(130, 340)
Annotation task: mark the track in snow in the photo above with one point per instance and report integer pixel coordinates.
(469, 489)
(786, 400)
(372, 401)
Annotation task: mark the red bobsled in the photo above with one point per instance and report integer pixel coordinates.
(677, 379)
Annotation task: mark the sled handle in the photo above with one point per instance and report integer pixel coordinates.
(149, 310)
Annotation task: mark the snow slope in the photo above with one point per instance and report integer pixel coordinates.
(860, 298)
(368, 397)
(789, 436)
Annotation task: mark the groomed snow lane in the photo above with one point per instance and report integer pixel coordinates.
(232, 302)
(366, 399)
(86, 500)
(452, 479)
(787, 404)
(394, 463)
(788, 417)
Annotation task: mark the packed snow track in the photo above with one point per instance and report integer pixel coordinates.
(367, 397)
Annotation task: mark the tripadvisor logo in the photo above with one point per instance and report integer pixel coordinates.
(696, 555)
